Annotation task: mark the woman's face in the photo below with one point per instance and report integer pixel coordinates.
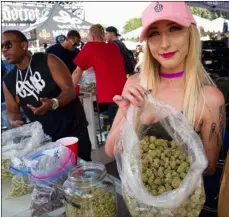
(138, 49)
(169, 43)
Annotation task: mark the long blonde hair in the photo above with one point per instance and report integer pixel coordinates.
(195, 76)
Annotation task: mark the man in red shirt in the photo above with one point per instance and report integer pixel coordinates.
(108, 65)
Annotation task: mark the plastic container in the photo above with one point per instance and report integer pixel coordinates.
(50, 163)
(89, 191)
(77, 89)
(71, 143)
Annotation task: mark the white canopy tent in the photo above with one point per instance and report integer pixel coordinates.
(207, 25)
(217, 24)
(202, 22)
(132, 45)
(132, 34)
(211, 5)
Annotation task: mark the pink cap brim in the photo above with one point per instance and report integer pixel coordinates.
(182, 22)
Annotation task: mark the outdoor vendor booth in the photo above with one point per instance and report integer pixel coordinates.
(58, 22)
(160, 161)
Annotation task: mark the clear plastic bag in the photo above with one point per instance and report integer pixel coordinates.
(20, 183)
(44, 200)
(20, 141)
(160, 160)
(5, 169)
(87, 82)
(50, 164)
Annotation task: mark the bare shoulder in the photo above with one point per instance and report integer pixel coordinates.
(213, 96)
(214, 100)
(52, 57)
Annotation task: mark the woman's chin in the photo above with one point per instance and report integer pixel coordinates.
(170, 64)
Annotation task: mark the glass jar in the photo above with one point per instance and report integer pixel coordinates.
(90, 192)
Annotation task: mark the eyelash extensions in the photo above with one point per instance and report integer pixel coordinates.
(170, 29)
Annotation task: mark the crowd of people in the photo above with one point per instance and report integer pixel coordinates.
(43, 84)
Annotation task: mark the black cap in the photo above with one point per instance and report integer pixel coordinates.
(112, 29)
(60, 39)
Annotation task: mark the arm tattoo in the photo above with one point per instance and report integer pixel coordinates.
(212, 131)
(221, 124)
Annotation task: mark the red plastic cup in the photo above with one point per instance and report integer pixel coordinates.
(77, 89)
(71, 143)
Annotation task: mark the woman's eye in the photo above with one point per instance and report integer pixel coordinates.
(151, 34)
(175, 28)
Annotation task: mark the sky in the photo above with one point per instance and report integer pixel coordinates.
(113, 13)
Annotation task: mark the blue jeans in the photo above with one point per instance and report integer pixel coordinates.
(112, 110)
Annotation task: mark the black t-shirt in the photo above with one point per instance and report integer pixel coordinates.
(38, 83)
(65, 55)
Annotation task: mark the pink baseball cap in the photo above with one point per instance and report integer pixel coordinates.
(177, 12)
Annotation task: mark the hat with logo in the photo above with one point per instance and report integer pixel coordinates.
(112, 29)
(60, 39)
(177, 12)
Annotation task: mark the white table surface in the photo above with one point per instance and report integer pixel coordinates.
(11, 207)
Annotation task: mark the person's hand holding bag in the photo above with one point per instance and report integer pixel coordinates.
(132, 94)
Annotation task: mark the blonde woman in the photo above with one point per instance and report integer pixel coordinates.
(172, 69)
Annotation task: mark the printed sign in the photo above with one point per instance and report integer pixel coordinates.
(30, 13)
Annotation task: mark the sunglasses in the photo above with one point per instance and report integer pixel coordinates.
(74, 43)
(7, 45)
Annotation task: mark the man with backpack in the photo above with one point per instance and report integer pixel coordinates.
(112, 35)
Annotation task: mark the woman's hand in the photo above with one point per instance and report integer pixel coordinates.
(134, 95)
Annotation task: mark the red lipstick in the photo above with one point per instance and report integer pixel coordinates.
(168, 55)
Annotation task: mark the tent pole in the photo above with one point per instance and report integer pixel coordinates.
(38, 46)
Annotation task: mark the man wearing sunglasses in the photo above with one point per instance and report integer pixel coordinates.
(41, 84)
(67, 50)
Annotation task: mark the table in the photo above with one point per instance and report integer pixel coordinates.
(87, 100)
(11, 207)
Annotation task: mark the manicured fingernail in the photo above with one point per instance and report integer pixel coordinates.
(148, 92)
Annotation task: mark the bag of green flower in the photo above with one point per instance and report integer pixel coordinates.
(20, 183)
(160, 160)
(18, 142)
(6, 174)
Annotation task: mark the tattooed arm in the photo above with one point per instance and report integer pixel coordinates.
(212, 129)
